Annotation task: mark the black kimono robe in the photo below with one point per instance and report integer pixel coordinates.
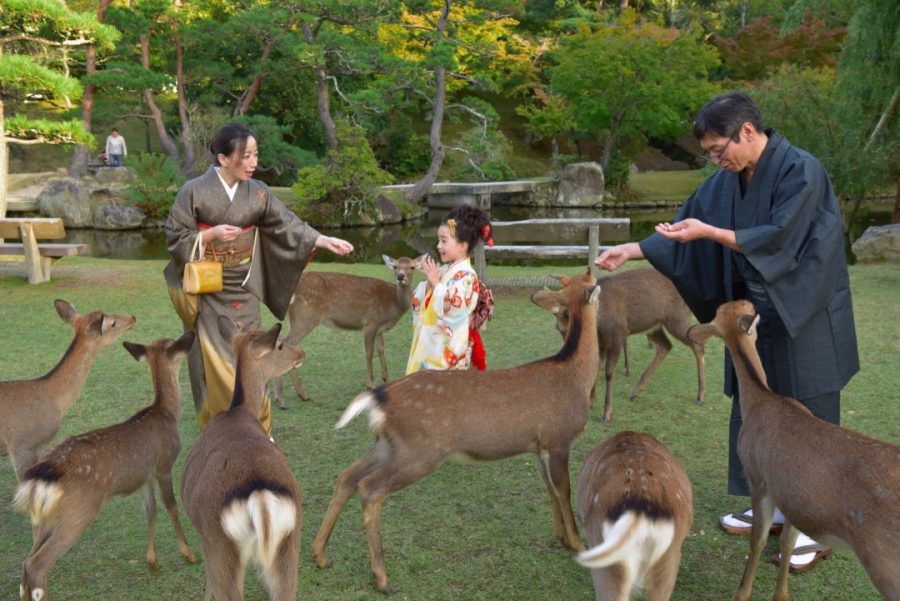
(788, 226)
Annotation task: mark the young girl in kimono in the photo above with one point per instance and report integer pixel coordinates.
(263, 248)
(446, 308)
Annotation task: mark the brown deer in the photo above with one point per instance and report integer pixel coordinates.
(634, 500)
(349, 302)
(31, 410)
(65, 490)
(829, 482)
(635, 301)
(425, 418)
(237, 487)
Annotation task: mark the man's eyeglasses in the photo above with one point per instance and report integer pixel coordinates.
(717, 156)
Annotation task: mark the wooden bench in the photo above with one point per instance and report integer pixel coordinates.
(38, 255)
(577, 238)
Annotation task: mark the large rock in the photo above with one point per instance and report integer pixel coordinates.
(69, 199)
(581, 185)
(878, 243)
(114, 175)
(114, 217)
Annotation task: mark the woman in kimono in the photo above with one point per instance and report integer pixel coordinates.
(766, 227)
(262, 246)
(445, 335)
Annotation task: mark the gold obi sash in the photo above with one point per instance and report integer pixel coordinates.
(233, 253)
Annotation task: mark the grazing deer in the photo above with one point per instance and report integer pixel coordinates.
(640, 300)
(31, 410)
(635, 503)
(349, 302)
(237, 487)
(829, 482)
(428, 416)
(65, 490)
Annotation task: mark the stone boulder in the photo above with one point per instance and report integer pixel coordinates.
(581, 185)
(115, 217)
(69, 199)
(114, 175)
(878, 243)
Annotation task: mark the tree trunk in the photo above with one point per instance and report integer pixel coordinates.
(187, 134)
(423, 186)
(82, 155)
(322, 102)
(164, 139)
(249, 95)
(4, 165)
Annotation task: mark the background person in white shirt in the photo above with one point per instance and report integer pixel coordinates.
(116, 151)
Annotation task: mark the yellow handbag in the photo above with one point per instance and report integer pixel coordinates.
(200, 275)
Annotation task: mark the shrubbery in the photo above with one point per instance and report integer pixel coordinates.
(155, 185)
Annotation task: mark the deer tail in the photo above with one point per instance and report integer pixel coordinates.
(37, 498)
(366, 401)
(258, 524)
(629, 537)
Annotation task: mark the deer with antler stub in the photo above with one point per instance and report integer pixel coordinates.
(237, 487)
(31, 410)
(831, 483)
(66, 489)
(350, 302)
(635, 301)
(425, 418)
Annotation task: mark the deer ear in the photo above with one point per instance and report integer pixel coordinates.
(138, 351)
(548, 299)
(65, 310)
(702, 332)
(184, 344)
(227, 328)
(591, 293)
(419, 260)
(748, 323)
(388, 261)
(270, 338)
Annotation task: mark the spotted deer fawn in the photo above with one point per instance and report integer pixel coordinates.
(65, 490)
(831, 483)
(349, 302)
(31, 410)
(640, 300)
(423, 419)
(635, 503)
(237, 486)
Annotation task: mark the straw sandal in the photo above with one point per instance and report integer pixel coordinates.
(746, 521)
(821, 552)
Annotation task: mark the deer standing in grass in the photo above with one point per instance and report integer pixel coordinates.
(829, 482)
(350, 302)
(65, 490)
(237, 487)
(635, 503)
(428, 416)
(32, 410)
(640, 300)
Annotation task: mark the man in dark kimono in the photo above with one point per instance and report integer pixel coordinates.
(766, 227)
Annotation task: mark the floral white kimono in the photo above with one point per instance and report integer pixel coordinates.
(441, 320)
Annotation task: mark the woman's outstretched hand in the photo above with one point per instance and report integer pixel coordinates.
(336, 245)
(431, 270)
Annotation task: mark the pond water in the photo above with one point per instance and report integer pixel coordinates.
(409, 239)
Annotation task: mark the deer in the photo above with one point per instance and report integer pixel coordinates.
(428, 416)
(635, 502)
(66, 489)
(31, 411)
(831, 483)
(350, 302)
(635, 301)
(237, 487)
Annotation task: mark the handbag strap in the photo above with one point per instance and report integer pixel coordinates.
(195, 250)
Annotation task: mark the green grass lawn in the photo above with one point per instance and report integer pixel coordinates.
(467, 532)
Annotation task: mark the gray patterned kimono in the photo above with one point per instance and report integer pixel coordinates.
(792, 265)
(283, 245)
